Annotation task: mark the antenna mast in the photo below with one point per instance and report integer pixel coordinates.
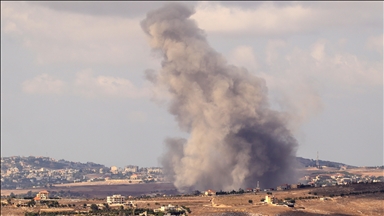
(258, 187)
(317, 161)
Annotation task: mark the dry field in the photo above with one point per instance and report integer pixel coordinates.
(363, 204)
(367, 171)
(103, 190)
(311, 171)
(108, 182)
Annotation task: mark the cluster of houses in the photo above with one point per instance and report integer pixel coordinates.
(324, 180)
(33, 172)
(131, 172)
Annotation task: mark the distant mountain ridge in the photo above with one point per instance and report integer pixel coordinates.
(50, 163)
(44, 162)
(312, 163)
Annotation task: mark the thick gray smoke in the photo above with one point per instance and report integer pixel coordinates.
(235, 138)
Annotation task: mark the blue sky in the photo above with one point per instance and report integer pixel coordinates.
(73, 86)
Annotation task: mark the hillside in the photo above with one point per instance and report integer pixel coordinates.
(312, 163)
(32, 162)
(50, 163)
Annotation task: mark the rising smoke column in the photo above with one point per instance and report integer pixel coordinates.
(235, 138)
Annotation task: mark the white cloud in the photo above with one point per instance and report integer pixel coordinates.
(62, 37)
(318, 50)
(375, 43)
(270, 19)
(272, 50)
(267, 18)
(244, 56)
(88, 85)
(43, 84)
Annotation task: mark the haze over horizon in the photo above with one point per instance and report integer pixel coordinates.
(74, 88)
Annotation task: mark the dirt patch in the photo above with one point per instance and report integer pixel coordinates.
(103, 190)
(367, 171)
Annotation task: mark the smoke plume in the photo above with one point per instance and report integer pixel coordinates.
(235, 138)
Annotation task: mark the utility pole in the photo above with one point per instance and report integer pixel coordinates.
(317, 161)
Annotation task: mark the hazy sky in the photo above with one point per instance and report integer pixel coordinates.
(73, 86)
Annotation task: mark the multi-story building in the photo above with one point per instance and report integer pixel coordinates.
(115, 199)
(114, 170)
(155, 170)
(131, 168)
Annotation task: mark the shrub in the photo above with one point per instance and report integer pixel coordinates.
(250, 201)
(94, 207)
(186, 208)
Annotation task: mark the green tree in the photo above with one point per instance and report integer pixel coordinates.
(94, 207)
(196, 192)
(31, 203)
(106, 206)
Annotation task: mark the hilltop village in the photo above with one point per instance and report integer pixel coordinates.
(44, 172)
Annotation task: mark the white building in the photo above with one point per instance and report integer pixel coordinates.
(270, 199)
(167, 208)
(131, 168)
(115, 199)
(114, 169)
(154, 170)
